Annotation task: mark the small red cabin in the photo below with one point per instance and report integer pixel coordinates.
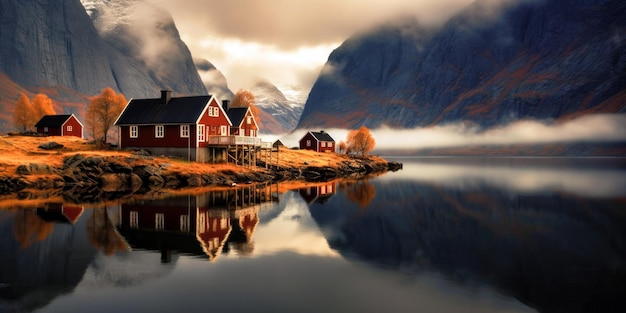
(60, 125)
(318, 141)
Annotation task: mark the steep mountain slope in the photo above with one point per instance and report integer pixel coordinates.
(542, 59)
(53, 47)
(145, 36)
(213, 79)
(273, 102)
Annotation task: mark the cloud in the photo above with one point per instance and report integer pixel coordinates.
(293, 24)
(285, 41)
(589, 128)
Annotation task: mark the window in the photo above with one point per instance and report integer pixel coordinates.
(214, 111)
(252, 133)
(213, 128)
(223, 130)
(330, 144)
(323, 191)
(249, 120)
(184, 131)
(308, 143)
(323, 144)
(184, 223)
(201, 226)
(201, 133)
(134, 132)
(159, 221)
(69, 128)
(159, 131)
(45, 129)
(330, 188)
(133, 220)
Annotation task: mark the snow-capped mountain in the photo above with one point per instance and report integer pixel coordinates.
(275, 103)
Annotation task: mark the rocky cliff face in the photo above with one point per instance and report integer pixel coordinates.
(541, 59)
(146, 38)
(54, 44)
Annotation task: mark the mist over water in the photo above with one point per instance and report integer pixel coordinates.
(589, 128)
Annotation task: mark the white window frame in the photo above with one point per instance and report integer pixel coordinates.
(249, 119)
(323, 144)
(134, 131)
(308, 143)
(159, 221)
(184, 223)
(69, 128)
(184, 131)
(201, 133)
(223, 130)
(216, 112)
(159, 131)
(133, 219)
(330, 144)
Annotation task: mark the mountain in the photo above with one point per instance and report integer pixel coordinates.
(543, 59)
(280, 115)
(214, 81)
(54, 47)
(147, 38)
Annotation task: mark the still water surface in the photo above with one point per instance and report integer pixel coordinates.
(442, 235)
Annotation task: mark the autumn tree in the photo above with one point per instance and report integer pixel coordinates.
(360, 141)
(42, 106)
(342, 147)
(23, 114)
(245, 99)
(103, 111)
(361, 192)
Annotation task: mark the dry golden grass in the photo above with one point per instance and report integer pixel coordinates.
(17, 150)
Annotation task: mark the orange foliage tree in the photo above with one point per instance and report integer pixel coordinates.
(42, 106)
(361, 192)
(342, 147)
(23, 114)
(360, 141)
(245, 99)
(103, 111)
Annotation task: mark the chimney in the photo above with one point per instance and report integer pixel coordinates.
(166, 95)
(321, 131)
(225, 104)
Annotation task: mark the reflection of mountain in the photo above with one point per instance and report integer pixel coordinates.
(32, 276)
(206, 224)
(550, 251)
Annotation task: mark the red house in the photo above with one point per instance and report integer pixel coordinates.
(244, 123)
(173, 126)
(318, 193)
(60, 125)
(318, 141)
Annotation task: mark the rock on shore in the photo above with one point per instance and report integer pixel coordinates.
(95, 178)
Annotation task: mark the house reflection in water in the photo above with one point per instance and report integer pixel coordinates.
(319, 193)
(206, 224)
(60, 213)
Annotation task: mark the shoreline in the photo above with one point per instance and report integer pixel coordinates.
(90, 175)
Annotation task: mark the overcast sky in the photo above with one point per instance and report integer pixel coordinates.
(285, 41)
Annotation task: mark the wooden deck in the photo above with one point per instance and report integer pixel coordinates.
(241, 150)
(238, 140)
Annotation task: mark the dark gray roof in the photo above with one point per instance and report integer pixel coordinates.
(53, 120)
(322, 136)
(181, 110)
(236, 115)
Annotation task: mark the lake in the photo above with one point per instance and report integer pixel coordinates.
(441, 235)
